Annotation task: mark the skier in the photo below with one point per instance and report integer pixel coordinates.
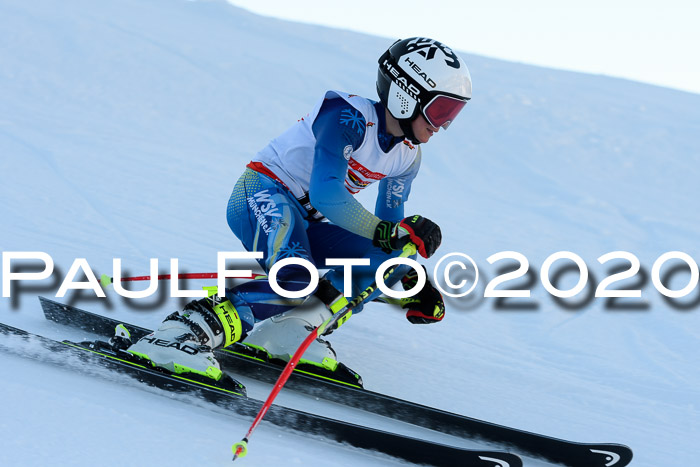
(295, 199)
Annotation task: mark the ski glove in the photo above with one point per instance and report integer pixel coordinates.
(426, 306)
(423, 232)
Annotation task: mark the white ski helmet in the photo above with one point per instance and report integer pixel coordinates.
(421, 75)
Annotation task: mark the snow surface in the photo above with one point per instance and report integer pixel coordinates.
(124, 125)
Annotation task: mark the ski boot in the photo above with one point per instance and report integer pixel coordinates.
(185, 341)
(276, 339)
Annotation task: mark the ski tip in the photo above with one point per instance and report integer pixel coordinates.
(500, 459)
(240, 449)
(610, 454)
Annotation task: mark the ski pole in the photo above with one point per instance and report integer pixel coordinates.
(106, 280)
(240, 449)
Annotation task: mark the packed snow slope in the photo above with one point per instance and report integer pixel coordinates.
(124, 125)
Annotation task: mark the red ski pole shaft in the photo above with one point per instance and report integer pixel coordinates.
(240, 449)
(195, 275)
(105, 280)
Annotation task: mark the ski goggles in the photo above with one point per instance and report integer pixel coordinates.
(442, 110)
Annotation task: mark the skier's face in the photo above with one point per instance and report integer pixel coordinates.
(422, 129)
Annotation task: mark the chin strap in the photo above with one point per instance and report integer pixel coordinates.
(408, 131)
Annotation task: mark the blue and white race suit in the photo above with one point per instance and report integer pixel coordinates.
(295, 199)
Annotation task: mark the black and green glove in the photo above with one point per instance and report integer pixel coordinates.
(426, 306)
(423, 232)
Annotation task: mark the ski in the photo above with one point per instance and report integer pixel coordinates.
(406, 448)
(235, 359)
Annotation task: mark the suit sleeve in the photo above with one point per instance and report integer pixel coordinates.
(339, 129)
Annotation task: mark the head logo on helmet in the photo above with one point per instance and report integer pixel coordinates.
(400, 79)
(422, 76)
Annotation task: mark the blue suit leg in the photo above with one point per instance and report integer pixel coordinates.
(331, 241)
(264, 216)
